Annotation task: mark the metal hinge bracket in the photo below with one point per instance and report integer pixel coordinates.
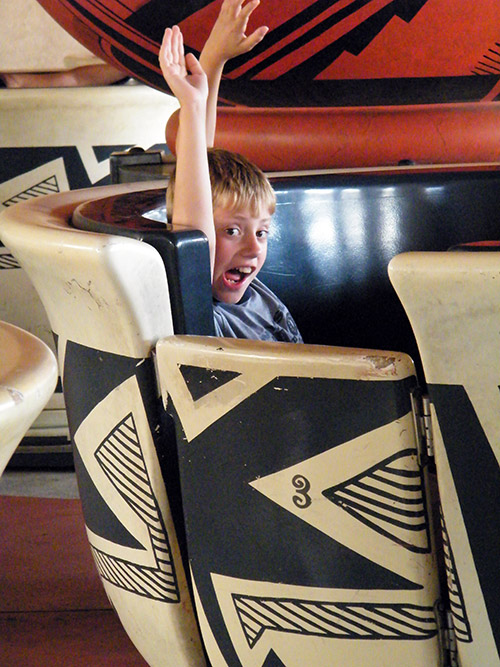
(451, 640)
(421, 406)
(448, 655)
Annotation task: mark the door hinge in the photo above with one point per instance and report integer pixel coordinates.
(447, 639)
(451, 640)
(421, 406)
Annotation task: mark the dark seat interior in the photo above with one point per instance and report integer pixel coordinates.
(332, 238)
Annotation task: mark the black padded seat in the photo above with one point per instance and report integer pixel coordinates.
(333, 236)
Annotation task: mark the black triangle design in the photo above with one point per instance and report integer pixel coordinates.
(388, 498)
(272, 660)
(202, 381)
(121, 458)
(99, 518)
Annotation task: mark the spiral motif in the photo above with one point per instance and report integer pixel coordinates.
(301, 499)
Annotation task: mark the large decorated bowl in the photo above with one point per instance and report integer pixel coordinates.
(317, 53)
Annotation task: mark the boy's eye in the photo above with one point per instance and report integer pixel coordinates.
(232, 231)
(262, 233)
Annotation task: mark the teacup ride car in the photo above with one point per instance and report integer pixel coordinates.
(106, 366)
(280, 489)
(452, 302)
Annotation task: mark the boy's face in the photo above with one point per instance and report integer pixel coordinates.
(240, 251)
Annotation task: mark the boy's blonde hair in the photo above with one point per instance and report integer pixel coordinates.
(236, 183)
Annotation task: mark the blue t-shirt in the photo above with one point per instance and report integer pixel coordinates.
(258, 315)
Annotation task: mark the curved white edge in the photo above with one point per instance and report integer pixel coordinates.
(342, 362)
(28, 377)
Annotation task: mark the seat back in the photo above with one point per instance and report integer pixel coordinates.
(305, 507)
(453, 302)
(107, 300)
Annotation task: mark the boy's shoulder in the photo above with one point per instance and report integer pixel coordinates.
(259, 315)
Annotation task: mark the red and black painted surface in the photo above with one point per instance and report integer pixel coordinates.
(317, 52)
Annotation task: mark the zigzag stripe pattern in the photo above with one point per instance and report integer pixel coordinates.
(463, 630)
(46, 187)
(389, 498)
(344, 29)
(148, 582)
(8, 261)
(120, 457)
(336, 620)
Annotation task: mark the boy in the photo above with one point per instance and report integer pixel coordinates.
(224, 195)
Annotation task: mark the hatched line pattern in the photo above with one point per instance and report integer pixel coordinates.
(46, 187)
(148, 582)
(388, 498)
(120, 457)
(8, 261)
(463, 630)
(336, 620)
(489, 63)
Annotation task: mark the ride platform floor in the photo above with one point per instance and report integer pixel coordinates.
(53, 608)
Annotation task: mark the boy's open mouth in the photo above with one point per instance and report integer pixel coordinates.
(235, 276)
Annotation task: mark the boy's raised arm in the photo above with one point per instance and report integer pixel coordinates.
(226, 40)
(187, 80)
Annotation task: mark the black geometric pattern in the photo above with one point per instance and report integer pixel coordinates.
(489, 64)
(272, 660)
(255, 538)
(336, 620)
(389, 498)
(120, 457)
(463, 631)
(316, 20)
(476, 479)
(16, 162)
(8, 261)
(202, 381)
(314, 36)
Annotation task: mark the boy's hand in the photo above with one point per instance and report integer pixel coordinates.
(228, 39)
(183, 73)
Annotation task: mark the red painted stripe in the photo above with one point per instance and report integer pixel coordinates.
(102, 13)
(328, 37)
(291, 37)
